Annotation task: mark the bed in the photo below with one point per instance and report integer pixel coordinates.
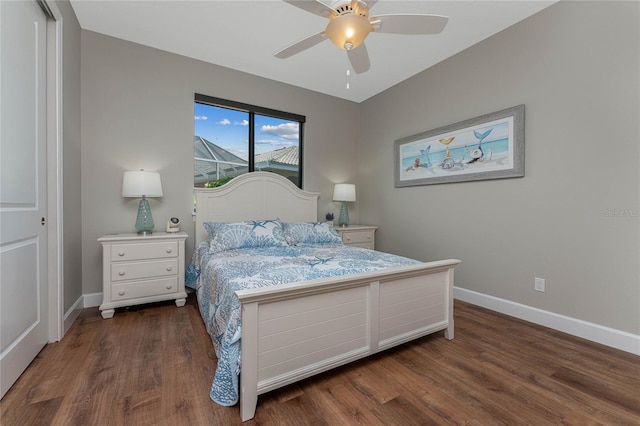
(290, 331)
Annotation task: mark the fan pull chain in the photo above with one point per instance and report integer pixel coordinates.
(348, 74)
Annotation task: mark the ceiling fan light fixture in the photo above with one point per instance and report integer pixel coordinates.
(348, 31)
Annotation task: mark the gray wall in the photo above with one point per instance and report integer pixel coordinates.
(137, 112)
(71, 116)
(573, 218)
(575, 66)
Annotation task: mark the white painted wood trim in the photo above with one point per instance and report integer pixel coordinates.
(55, 241)
(72, 313)
(449, 331)
(249, 362)
(91, 300)
(611, 337)
(374, 317)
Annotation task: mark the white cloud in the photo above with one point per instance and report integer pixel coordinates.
(289, 131)
(201, 117)
(243, 123)
(224, 122)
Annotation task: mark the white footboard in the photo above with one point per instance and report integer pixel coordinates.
(293, 331)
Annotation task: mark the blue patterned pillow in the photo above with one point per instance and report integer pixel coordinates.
(311, 233)
(248, 234)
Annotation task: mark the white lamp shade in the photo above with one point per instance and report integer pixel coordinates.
(141, 184)
(344, 192)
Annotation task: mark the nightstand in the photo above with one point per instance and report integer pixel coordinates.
(358, 235)
(140, 269)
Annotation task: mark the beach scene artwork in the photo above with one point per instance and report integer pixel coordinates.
(468, 152)
(484, 148)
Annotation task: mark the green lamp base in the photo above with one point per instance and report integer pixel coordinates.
(343, 219)
(144, 220)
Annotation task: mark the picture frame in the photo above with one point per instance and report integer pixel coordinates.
(489, 146)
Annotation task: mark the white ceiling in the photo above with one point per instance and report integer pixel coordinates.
(245, 34)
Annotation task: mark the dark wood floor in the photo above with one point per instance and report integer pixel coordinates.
(154, 365)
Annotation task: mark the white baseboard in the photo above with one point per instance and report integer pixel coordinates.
(71, 315)
(84, 301)
(596, 333)
(92, 300)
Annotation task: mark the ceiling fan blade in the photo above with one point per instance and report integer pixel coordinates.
(359, 58)
(409, 23)
(314, 6)
(370, 3)
(301, 45)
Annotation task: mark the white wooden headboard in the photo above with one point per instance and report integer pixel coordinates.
(254, 196)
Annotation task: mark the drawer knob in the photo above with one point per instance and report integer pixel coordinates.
(169, 268)
(120, 253)
(121, 273)
(169, 286)
(121, 293)
(348, 238)
(169, 250)
(368, 237)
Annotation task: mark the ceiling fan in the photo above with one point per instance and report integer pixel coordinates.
(349, 24)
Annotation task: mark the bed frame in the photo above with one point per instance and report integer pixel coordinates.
(293, 331)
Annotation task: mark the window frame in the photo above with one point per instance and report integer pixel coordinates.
(252, 110)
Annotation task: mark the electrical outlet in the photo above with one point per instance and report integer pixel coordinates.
(538, 284)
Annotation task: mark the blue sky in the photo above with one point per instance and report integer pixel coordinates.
(229, 129)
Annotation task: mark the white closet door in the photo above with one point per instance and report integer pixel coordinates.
(23, 231)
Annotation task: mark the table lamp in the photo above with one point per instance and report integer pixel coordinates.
(345, 192)
(142, 184)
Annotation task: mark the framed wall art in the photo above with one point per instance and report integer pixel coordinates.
(490, 146)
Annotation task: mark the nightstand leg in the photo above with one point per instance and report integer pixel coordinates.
(180, 302)
(108, 313)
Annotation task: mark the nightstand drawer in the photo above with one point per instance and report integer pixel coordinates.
(357, 237)
(363, 236)
(135, 270)
(147, 250)
(133, 290)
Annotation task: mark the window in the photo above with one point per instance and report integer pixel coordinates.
(232, 138)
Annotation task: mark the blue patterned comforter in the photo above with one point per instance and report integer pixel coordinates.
(216, 276)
